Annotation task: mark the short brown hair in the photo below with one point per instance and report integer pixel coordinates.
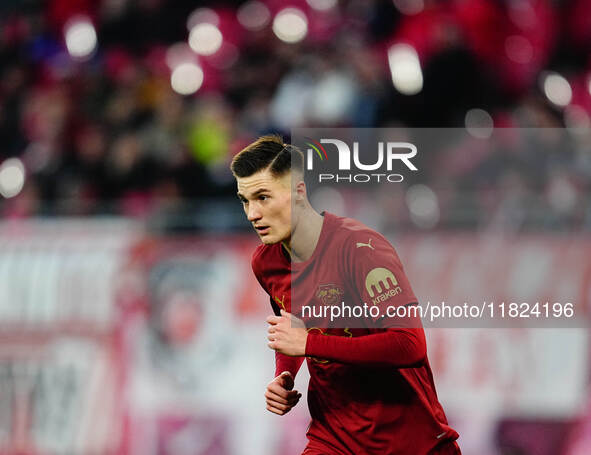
(267, 152)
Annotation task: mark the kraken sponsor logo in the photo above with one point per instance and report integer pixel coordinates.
(378, 279)
(382, 282)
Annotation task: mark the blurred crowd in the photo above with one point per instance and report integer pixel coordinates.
(108, 133)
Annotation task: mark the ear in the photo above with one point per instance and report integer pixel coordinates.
(300, 191)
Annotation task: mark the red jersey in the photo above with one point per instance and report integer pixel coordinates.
(371, 388)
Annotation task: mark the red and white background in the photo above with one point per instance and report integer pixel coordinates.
(113, 341)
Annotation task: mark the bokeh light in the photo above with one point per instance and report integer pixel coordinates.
(205, 39)
(423, 206)
(577, 119)
(179, 53)
(290, 25)
(81, 39)
(202, 16)
(12, 177)
(322, 5)
(405, 68)
(562, 195)
(409, 7)
(479, 123)
(254, 15)
(519, 49)
(557, 89)
(186, 78)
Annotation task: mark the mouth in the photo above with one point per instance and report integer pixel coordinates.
(262, 229)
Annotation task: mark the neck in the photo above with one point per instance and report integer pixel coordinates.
(305, 235)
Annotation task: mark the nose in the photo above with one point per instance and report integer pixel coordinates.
(253, 213)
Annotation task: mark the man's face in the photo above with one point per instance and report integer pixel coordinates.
(267, 203)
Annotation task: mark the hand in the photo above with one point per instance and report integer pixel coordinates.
(287, 334)
(279, 394)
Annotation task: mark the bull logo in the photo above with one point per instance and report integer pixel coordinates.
(329, 294)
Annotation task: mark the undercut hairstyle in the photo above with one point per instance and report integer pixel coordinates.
(268, 152)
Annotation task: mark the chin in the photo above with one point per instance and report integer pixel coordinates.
(272, 239)
(268, 240)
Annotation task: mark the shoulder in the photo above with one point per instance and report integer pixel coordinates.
(265, 256)
(257, 255)
(354, 235)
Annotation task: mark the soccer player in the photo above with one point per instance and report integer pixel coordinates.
(371, 389)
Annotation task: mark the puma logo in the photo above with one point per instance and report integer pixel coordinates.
(368, 244)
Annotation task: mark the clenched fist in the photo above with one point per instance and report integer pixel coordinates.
(287, 334)
(279, 394)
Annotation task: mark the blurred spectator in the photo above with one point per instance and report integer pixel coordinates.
(108, 132)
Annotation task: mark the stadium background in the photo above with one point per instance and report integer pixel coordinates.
(130, 322)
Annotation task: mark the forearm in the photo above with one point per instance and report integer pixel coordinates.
(400, 348)
(287, 363)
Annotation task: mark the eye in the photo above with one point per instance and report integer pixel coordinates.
(263, 197)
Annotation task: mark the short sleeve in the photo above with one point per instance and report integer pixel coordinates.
(380, 281)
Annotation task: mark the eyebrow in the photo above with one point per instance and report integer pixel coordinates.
(255, 194)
